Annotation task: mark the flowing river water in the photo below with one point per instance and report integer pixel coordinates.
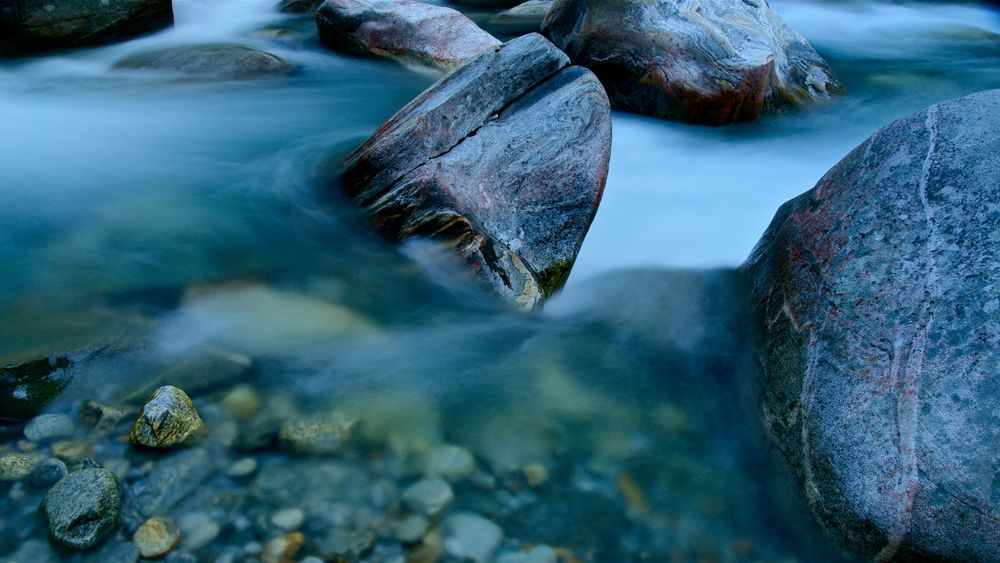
(167, 230)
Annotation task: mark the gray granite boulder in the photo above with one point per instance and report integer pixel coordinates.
(402, 29)
(35, 25)
(700, 61)
(503, 161)
(221, 61)
(879, 296)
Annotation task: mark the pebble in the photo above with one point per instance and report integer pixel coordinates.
(68, 450)
(14, 467)
(469, 536)
(48, 473)
(536, 474)
(288, 519)
(48, 426)
(83, 508)
(157, 537)
(198, 529)
(428, 496)
(538, 554)
(282, 549)
(316, 437)
(100, 417)
(410, 529)
(168, 419)
(243, 402)
(450, 462)
(244, 467)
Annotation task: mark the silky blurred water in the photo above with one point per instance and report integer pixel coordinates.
(161, 219)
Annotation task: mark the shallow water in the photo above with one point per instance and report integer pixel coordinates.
(184, 230)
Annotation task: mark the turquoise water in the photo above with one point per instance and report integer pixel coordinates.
(163, 221)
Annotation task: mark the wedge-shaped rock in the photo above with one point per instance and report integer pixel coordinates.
(700, 61)
(505, 160)
(879, 297)
(35, 25)
(402, 29)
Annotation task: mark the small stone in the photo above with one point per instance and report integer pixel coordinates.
(168, 419)
(243, 402)
(320, 437)
(100, 417)
(157, 537)
(14, 467)
(450, 462)
(119, 466)
(48, 426)
(538, 554)
(288, 519)
(67, 450)
(78, 463)
(469, 536)
(428, 496)
(82, 509)
(253, 548)
(536, 474)
(283, 548)
(48, 473)
(244, 467)
(198, 529)
(410, 529)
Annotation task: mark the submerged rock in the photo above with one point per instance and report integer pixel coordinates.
(157, 537)
(35, 25)
(48, 426)
(47, 473)
(700, 61)
(470, 537)
(428, 496)
(878, 292)
(503, 161)
(82, 509)
(321, 436)
(173, 478)
(14, 467)
(26, 388)
(403, 29)
(223, 61)
(168, 419)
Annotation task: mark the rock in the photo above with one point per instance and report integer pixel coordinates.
(288, 519)
(222, 61)
(82, 509)
(536, 474)
(538, 554)
(243, 467)
(168, 419)
(470, 537)
(702, 61)
(283, 548)
(299, 6)
(26, 388)
(157, 537)
(402, 29)
(101, 418)
(428, 496)
(243, 402)
(322, 436)
(47, 426)
(410, 529)
(510, 182)
(877, 292)
(198, 529)
(14, 467)
(27, 25)
(73, 452)
(173, 478)
(450, 462)
(523, 18)
(47, 473)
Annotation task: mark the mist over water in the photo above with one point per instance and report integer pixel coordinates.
(161, 219)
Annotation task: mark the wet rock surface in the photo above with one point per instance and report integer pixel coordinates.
(705, 61)
(220, 61)
(877, 291)
(82, 509)
(403, 29)
(523, 18)
(511, 183)
(26, 388)
(27, 26)
(168, 419)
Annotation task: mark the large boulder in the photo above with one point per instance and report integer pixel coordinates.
(223, 61)
(700, 61)
(504, 160)
(34, 25)
(402, 29)
(879, 294)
